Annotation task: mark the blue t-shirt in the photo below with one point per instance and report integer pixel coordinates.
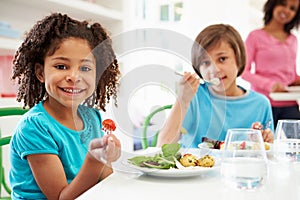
(211, 115)
(39, 133)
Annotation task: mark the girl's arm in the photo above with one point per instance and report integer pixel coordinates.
(50, 175)
(187, 89)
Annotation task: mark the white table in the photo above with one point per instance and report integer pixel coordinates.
(283, 183)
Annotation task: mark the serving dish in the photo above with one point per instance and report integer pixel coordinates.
(293, 89)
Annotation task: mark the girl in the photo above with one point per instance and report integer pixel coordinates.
(64, 67)
(273, 51)
(208, 111)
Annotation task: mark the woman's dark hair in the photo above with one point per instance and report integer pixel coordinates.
(43, 40)
(268, 10)
(212, 36)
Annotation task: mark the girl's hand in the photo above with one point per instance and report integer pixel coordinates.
(267, 134)
(106, 149)
(188, 87)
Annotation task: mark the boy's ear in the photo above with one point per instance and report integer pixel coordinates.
(39, 72)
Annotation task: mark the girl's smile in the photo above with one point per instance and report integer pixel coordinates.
(70, 73)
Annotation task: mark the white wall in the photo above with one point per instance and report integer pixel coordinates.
(244, 15)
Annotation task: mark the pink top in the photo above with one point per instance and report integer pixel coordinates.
(268, 61)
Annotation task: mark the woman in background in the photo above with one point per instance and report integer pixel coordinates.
(271, 56)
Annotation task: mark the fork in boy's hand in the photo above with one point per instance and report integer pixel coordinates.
(259, 126)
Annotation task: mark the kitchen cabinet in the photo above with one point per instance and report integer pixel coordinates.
(22, 14)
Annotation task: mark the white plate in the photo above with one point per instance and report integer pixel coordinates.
(285, 96)
(175, 173)
(293, 89)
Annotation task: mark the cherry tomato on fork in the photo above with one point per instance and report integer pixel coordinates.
(108, 125)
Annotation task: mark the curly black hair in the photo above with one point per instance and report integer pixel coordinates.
(268, 10)
(44, 38)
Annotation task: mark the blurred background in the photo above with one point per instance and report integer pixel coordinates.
(179, 18)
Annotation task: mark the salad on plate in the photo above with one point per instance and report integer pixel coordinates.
(171, 162)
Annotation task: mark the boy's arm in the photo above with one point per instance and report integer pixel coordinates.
(188, 87)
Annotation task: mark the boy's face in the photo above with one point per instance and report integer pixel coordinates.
(221, 64)
(70, 73)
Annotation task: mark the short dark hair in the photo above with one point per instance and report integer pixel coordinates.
(212, 36)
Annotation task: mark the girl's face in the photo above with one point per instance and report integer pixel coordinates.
(69, 74)
(284, 13)
(221, 64)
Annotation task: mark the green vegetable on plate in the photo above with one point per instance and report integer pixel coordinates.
(164, 160)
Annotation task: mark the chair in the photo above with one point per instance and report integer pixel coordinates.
(6, 111)
(145, 142)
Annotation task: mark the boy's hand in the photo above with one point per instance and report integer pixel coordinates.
(188, 87)
(267, 134)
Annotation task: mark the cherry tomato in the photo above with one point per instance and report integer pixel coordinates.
(243, 145)
(109, 125)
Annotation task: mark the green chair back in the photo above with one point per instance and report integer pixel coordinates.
(6, 111)
(145, 142)
(9, 111)
(3, 141)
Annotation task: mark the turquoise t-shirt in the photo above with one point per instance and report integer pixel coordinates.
(39, 133)
(211, 115)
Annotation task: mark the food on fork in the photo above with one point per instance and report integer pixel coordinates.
(108, 125)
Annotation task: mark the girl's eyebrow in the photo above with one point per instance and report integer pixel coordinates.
(87, 60)
(67, 59)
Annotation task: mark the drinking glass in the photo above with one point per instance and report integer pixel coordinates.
(244, 159)
(287, 140)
